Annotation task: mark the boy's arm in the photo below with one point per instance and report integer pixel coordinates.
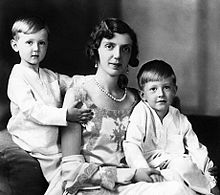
(198, 151)
(134, 139)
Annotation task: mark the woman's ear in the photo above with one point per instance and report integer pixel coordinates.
(14, 45)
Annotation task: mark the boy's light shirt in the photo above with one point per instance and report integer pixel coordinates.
(36, 108)
(154, 138)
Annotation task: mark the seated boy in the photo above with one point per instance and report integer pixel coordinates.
(161, 137)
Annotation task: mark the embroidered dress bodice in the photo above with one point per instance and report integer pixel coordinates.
(103, 135)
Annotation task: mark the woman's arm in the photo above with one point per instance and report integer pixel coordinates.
(71, 139)
(76, 173)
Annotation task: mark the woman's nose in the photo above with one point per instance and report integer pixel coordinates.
(117, 52)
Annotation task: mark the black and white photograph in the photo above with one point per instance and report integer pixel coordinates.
(111, 97)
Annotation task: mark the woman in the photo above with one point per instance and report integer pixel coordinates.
(94, 164)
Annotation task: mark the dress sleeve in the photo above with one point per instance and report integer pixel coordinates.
(78, 174)
(21, 94)
(74, 94)
(64, 81)
(134, 139)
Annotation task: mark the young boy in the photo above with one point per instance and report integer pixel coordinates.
(36, 97)
(161, 137)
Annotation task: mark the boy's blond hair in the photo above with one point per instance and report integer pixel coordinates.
(28, 25)
(155, 70)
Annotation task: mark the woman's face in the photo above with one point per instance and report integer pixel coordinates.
(115, 53)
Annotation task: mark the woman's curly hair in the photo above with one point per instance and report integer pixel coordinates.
(106, 29)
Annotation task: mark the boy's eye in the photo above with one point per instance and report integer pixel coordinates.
(167, 87)
(42, 43)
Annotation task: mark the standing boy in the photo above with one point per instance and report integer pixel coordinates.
(36, 97)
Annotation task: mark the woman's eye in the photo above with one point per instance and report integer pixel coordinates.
(126, 49)
(29, 42)
(153, 89)
(109, 46)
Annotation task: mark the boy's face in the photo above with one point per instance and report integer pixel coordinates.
(159, 95)
(32, 48)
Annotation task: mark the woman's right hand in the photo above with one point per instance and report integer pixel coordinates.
(148, 175)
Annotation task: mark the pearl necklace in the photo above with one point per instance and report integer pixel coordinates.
(110, 95)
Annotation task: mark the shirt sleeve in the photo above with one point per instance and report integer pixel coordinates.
(198, 152)
(134, 139)
(194, 147)
(25, 101)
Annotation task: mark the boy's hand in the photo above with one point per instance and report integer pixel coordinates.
(215, 190)
(156, 178)
(77, 114)
(148, 175)
(213, 171)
